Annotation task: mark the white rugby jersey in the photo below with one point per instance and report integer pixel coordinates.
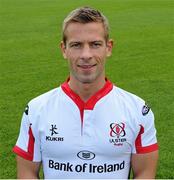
(74, 139)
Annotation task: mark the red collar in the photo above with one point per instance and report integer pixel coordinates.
(92, 100)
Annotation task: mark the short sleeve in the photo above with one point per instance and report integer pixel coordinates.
(146, 140)
(28, 143)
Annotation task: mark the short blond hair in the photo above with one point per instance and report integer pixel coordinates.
(85, 15)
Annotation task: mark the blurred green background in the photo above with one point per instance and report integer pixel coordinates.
(31, 62)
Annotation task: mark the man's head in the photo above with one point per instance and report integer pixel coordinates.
(85, 15)
(86, 45)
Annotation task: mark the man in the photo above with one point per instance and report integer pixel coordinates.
(87, 127)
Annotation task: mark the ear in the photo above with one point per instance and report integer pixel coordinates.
(63, 49)
(110, 43)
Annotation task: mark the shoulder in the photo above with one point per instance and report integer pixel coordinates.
(132, 101)
(43, 100)
(127, 96)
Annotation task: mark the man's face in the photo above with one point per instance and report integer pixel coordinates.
(86, 50)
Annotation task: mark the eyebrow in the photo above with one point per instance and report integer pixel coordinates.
(97, 41)
(74, 42)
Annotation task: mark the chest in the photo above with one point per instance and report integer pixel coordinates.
(107, 130)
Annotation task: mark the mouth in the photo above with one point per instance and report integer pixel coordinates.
(86, 66)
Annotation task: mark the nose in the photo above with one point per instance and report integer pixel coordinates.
(86, 52)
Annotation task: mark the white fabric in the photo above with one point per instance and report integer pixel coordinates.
(100, 147)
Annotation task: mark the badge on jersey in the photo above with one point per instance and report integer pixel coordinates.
(26, 110)
(145, 109)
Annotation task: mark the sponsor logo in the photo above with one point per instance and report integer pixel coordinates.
(117, 134)
(49, 138)
(26, 110)
(86, 168)
(86, 155)
(145, 109)
(60, 166)
(117, 130)
(53, 131)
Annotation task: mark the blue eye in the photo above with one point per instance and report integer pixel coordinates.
(76, 45)
(96, 45)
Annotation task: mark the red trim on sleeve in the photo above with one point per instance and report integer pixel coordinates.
(31, 142)
(138, 144)
(30, 150)
(147, 149)
(17, 150)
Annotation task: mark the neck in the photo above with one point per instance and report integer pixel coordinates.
(86, 90)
